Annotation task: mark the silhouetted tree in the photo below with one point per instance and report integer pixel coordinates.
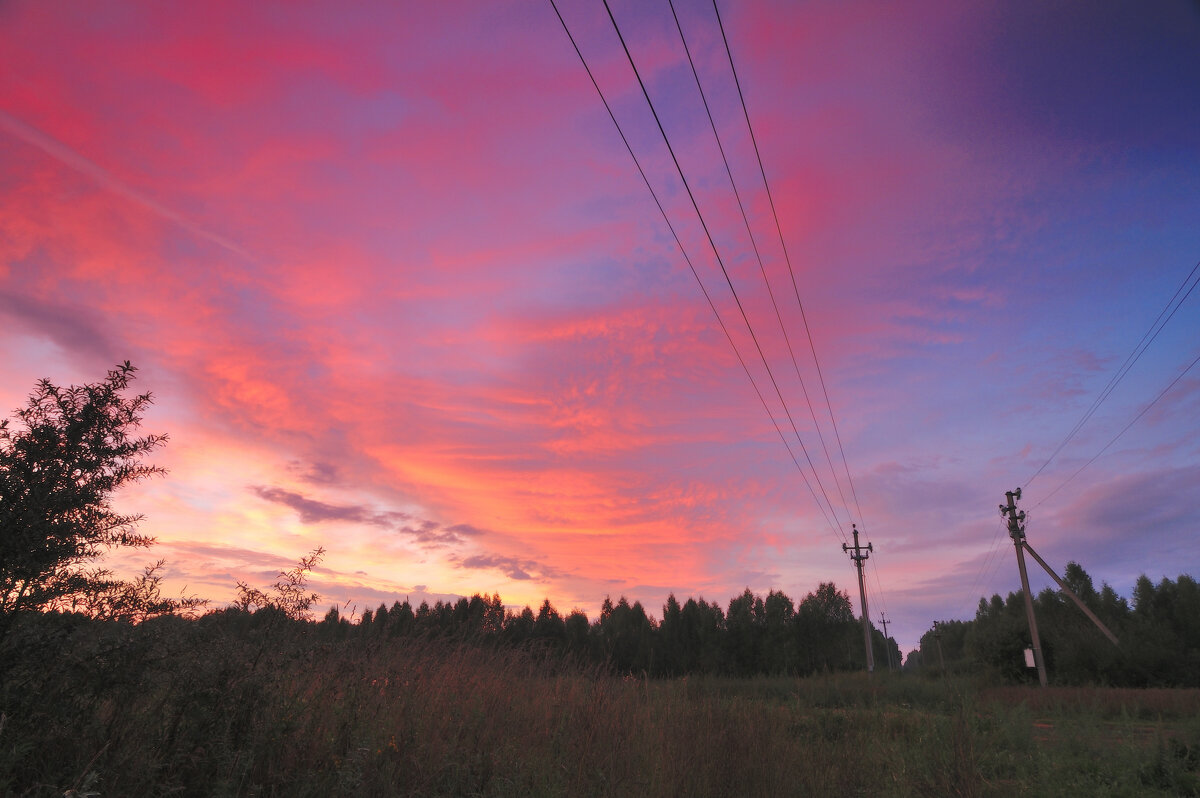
(518, 627)
(135, 600)
(997, 637)
(461, 620)
(289, 596)
(951, 637)
(491, 621)
(575, 633)
(672, 657)
(400, 618)
(1165, 631)
(69, 451)
(333, 626)
(779, 653)
(744, 627)
(421, 619)
(548, 625)
(1074, 649)
(625, 635)
(883, 649)
(825, 629)
(443, 617)
(703, 629)
(380, 625)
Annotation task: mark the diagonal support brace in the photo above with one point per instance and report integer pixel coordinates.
(1078, 601)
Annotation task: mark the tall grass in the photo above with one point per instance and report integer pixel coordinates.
(221, 710)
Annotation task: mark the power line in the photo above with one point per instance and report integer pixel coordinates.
(1155, 328)
(982, 575)
(757, 254)
(795, 286)
(1124, 430)
(788, 260)
(836, 529)
(879, 585)
(717, 255)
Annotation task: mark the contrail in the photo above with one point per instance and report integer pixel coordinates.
(67, 156)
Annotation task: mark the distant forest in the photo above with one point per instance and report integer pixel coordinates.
(754, 635)
(1159, 636)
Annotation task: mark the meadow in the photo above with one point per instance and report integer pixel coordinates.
(242, 704)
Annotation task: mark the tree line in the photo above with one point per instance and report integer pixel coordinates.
(753, 635)
(1158, 634)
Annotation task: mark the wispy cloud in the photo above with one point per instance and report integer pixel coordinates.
(512, 567)
(429, 534)
(317, 473)
(27, 133)
(312, 511)
(76, 328)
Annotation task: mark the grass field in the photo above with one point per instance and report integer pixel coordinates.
(182, 711)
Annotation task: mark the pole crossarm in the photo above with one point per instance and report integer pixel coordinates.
(860, 554)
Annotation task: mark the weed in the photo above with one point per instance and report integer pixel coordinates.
(226, 706)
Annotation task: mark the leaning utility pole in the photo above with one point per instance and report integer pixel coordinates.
(859, 555)
(1016, 530)
(883, 620)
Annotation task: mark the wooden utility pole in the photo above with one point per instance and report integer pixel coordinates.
(937, 636)
(1016, 530)
(883, 620)
(860, 554)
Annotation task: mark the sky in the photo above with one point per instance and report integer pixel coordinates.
(399, 290)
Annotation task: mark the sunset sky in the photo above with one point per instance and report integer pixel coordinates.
(399, 290)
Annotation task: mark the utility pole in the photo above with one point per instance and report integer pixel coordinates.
(937, 636)
(859, 554)
(1016, 530)
(883, 620)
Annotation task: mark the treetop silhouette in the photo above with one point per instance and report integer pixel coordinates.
(69, 450)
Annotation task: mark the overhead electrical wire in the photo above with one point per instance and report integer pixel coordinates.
(1145, 410)
(796, 289)
(712, 305)
(757, 254)
(1148, 338)
(834, 523)
(879, 585)
(1169, 310)
(983, 574)
(788, 260)
(720, 261)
